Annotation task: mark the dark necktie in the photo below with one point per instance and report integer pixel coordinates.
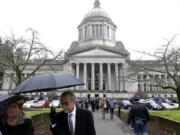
(70, 122)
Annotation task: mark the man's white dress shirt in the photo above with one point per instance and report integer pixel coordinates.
(73, 117)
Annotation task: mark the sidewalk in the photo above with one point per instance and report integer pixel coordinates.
(110, 127)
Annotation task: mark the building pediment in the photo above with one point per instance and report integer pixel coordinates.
(96, 52)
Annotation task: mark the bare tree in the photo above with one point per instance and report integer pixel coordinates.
(167, 63)
(19, 52)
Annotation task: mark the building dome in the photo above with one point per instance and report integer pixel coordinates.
(96, 12)
(97, 27)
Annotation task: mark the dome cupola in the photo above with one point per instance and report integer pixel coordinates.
(97, 27)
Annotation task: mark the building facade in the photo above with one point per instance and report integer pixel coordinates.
(101, 61)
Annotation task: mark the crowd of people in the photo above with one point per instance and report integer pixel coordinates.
(94, 104)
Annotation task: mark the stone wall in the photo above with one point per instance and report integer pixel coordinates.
(40, 119)
(159, 125)
(41, 124)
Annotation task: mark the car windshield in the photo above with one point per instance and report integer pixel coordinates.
(30, 101)
(126, 101)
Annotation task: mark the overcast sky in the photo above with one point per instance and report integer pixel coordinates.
(142, 24)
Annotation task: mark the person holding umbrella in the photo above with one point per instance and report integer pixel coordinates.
(13, 121)
(49, 82)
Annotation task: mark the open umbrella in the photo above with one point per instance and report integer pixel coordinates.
(6, 98)
(47, 82)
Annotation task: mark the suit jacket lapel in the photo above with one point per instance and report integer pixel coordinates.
(77, 126)
(66, 126)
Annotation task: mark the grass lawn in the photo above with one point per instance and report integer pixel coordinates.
(169, 114)
(32, 112)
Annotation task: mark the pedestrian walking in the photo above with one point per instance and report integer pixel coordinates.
(97, 104)
(138, 117)
(93, 105)
(119, 108)
(86, 102)
(103, 106)
(111, 107)
(107, 105)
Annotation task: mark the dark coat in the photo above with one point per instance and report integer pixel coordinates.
(24, 126)
(84, 123)
(138, 112)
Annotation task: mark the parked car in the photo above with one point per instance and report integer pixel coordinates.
(174, 105)
(29, 104)
(150, 104)
(41, 104)
(126, 104)
(153, 105)
(166, 104)
(55, 103)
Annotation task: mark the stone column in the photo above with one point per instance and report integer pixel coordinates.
(124, 75)
(116, 75)
(101, 76)
(141, 83)
(147, 84)
(70, 68)
(25, 75)
(77, 73)
(85, 76)
(77, 70)
(109, 76)
(92, 77)
(121, 78)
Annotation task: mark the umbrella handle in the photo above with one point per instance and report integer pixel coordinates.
(52, 115)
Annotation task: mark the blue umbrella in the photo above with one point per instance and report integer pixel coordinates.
(47, 82)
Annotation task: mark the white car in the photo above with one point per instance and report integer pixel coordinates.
(150, 104)
(126, 104)
(54, 103)
(168, 106)
(175, 105)
(154, 105)
(29, 104)
(142, 101)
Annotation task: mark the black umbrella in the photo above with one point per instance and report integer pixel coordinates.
(47, 82)
(6, 98)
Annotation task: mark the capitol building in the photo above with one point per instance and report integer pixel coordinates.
(101, 61)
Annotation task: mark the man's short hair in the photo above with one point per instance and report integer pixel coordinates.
(69, 94)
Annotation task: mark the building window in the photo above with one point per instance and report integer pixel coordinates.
(144, 87)
(93, 29)
(144, 77)
(97, 30)
(139, 87)
(150, 88)
(101, 31)
(85, 33)
(108, 31)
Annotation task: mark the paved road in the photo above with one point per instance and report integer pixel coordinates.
(110, 127)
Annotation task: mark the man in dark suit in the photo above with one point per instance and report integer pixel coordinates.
(72, 120)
